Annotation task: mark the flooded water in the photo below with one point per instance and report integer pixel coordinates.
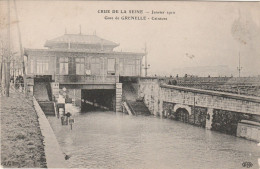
(110, 140)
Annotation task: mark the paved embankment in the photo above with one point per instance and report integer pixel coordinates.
(21, 138)
(54, 156)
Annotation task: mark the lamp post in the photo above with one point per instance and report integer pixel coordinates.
(239, 68)
(146, 66)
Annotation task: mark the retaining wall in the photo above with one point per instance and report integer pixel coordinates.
(55, 158)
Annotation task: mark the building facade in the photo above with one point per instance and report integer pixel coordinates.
(73, 57)
(82, 62)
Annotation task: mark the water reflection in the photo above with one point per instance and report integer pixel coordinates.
(109, 140)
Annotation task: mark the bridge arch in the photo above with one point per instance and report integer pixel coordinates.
(178, 106)
(182, 115)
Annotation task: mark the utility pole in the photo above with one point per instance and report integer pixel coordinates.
(21, 49)
(239, 68)
(146, 66)
(7, 70)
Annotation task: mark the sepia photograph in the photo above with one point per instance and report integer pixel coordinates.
(130, 84)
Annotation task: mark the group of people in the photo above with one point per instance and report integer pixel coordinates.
(65, 118)
(18, 81)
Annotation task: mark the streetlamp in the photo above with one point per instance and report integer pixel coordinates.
(146, 67)
(239, 68)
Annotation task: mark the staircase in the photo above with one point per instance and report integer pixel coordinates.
(130, 96)
(47, 107)
(129, 92)
(42, 93)
(138, 108)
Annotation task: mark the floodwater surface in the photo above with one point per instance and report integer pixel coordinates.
(110, 140)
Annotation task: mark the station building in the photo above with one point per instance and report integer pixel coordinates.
(77, 62)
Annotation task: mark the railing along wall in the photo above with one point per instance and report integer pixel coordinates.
(155, 93)
(86, 79)
(210, 99)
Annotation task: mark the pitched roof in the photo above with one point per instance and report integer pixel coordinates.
(27, 51)
(80, 39)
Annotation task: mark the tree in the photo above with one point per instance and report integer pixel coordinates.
(6, 56)
(5, 65)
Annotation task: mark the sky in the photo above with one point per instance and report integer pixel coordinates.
(198, 34)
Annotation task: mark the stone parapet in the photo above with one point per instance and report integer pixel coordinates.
(55, 158)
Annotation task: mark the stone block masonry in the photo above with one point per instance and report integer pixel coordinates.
(118, 97)
(249, 130)
(218, 111)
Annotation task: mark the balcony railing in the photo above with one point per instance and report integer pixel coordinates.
(87, 79)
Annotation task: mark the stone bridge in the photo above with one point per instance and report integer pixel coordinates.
(214, 110)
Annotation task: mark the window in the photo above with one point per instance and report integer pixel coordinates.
(64, 66)
(42, 65)
(80, 66)
(130, 67)
(95, 66)
(137, 64)
(111, 65)
(121, 66)
(31, 65)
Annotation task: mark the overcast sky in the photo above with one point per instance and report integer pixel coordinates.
(202, 29)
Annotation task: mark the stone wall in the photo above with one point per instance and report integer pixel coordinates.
(210, 109)
(211, 99)
(249, 130)
(196, 117)
(227, 121)
(168, 110)
(118, 97)
(55, 158)
(149, 89)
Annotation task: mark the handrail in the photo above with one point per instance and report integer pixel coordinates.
(87, 79)
(127, 108)
(130, 107)
(214, 93)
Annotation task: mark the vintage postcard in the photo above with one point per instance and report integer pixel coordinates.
(130, 84)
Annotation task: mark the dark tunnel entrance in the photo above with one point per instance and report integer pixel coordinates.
(97, 100)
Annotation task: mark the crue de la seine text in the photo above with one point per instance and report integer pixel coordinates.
(138, 15)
